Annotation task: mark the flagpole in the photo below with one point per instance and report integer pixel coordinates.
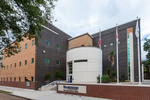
(138, 56)
(100, 57)
(117, 55)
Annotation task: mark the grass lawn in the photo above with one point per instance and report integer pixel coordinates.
(5, 91)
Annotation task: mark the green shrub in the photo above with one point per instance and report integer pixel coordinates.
(114, 73)
(108, 71)
(105, 78)
(58, 74)
(47, 76)
(98, 79)
(127, 80)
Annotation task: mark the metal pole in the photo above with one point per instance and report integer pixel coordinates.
(117, 55)
(139, 62)
(100, 58)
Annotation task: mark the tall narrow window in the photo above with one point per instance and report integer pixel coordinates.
(70, 68)
(19, 63)
(7, 79)
(19, 79)
(47, 42)
(10, 79)
(58, 62)
(128, 51)
(25, 62)
(20, 48)
(4, 79)
(26, 46)
(15, 65)
(14, 79)
(11, 66)
(7, 67)
(46, 60)
(25, 79)
(32, 42)
(32, 60)
(31, 79)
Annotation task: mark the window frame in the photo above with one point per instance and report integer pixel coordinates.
(45, 60)
(26, 46)
(32, 60)
(20, 63)
(33, 42)
(57, 63)
(25, 62)
(46, 41)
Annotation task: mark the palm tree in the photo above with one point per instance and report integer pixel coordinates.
(111, 59)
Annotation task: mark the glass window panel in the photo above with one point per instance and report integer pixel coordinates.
(46, 60)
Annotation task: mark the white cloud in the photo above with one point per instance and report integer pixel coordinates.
(76, 17)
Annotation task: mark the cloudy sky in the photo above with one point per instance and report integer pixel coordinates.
(76, 17)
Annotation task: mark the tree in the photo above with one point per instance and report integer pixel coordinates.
(111, 59)
(58, 74)
(114, 73)
(47, 77)
(22, 18)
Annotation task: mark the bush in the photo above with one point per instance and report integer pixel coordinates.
(108, 71)
(105, 78)
(59, 74)
(47, 76)
(127, 80)
(114, 73)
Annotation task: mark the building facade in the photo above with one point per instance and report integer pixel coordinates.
(32, 62)
(56, 51)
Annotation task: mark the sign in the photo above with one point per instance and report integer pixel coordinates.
(72, 88)
(27, 83)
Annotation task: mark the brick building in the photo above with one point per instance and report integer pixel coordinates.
(34, 61)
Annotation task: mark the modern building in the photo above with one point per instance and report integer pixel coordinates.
(32, 62)
(78, 57)
(127, 53)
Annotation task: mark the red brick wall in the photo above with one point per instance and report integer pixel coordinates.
(18, 84)
(115, 92)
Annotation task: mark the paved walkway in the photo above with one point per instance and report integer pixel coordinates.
(45, 95)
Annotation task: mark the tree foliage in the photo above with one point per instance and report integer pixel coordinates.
(147, 49)
(47, 76)
(59, 74)
(22, 18)
(111, 59)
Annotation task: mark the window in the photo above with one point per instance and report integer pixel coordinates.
(10, 79)
(47, 42)
(25, 78)
(11, 66)
(4, 79)
(32, 42)
(14, 79)
(118, 42)
(31, 79)
(46, 60)
(70, 68)
(32, 60)
(19, 63)
(20, 48)
(80, 61)
(15, 64)
(82, 45)
(105, 45)
(15, 51)
(26, 46)
(58, 47)
(19, 79)
(25, 62)
(7, 67)
(58, 62)
(7, 79)
(111, 44)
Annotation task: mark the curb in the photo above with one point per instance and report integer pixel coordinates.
(18, 96)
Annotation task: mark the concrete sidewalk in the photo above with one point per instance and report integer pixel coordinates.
(45, 95)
